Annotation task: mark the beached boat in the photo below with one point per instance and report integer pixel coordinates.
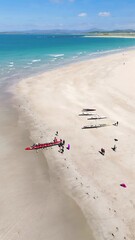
(96, 117)
(95, 126)
(88, 109)
(86, 114)
(44, 145)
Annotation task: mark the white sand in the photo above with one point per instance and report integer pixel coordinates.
(54, 100)
(32, 205)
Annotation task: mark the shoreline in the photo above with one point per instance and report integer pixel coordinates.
(113, 36)
(68, 90)
(15, 68)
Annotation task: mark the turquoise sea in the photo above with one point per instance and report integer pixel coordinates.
(24, 55)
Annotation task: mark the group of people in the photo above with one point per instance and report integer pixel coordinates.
(61, 145)
(35, 144)
(102, 151)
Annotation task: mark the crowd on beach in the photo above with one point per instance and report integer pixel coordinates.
(95, 197)
(89, 194)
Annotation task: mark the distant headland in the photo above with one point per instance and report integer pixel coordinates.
(88, 33)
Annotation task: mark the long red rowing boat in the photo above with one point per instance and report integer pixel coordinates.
(44, 145)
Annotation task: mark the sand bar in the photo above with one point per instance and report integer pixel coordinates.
(109, 36)
(53, 102)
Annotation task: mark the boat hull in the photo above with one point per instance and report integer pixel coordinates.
(43, 145)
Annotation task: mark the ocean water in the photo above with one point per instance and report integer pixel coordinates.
(24, 55)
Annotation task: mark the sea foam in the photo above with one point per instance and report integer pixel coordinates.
(36, 60)
(56, 55)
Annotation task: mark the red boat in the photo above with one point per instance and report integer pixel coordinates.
(44, 145)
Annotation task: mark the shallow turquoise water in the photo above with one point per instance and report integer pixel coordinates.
(23, 55)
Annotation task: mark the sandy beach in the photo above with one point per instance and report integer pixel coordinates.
(52, 102)
(32, 205)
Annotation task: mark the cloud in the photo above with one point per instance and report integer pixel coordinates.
(83, 14)
(104, 14)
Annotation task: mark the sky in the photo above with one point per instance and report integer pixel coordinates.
(66, 14)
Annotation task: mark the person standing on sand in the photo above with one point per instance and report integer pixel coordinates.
(102, 151)
(116, 124)
(114, 148)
